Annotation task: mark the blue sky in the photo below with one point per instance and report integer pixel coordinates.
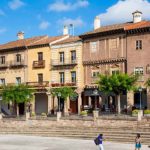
(47, 17)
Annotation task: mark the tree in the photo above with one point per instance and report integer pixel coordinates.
(66, 92)
(117, 84)
(17, 94)
(148, 82)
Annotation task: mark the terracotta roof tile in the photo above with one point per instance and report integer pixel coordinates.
(69, 40)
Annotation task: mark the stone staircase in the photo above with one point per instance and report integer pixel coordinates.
(117, 134)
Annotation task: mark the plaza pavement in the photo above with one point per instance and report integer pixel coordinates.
(18, 142)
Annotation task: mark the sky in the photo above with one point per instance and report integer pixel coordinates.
(47, 17)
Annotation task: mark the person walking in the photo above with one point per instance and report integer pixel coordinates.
(100, 139)
(138, 142)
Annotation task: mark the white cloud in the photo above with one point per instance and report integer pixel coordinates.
(2, 30)
(78, 22)
(15, 4)
(60, 5)
(44, 25)
(2, 13)
(123, 9)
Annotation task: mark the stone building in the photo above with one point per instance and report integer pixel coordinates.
(112, 49)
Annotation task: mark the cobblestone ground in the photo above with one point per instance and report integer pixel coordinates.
(17, 142)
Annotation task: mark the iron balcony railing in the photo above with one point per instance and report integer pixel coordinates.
(57, 62)
(3, 65)
(15, 63)
(38, 84)
(66, 83)
(38, 64)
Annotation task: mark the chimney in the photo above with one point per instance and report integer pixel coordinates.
(97, 22)
(137, 16)
(65, 30)
(20, 35)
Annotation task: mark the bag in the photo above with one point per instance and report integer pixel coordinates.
(96, 141)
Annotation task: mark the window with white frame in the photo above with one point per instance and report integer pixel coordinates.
(2, 60)
(95, 73)
(18, 80)
(138, 44)
(73, 76)
(62, 77)
(2, 81)
(61, 57)
(114, 72)
(93, 47)
(139, 70)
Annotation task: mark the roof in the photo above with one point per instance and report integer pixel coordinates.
(71, 39)
(34, 41)
(123, 27)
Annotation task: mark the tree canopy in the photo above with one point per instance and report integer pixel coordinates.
(117, 83)
(17, 93)
(65, 92)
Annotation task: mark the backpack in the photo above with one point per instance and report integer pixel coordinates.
(96, 141)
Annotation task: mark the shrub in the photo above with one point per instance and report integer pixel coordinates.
(33, 114)
(146, 111)
(83, 112)
(135, 111)
(43, 114)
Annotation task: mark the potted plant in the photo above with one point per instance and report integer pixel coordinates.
(147, 113)
(83, 113)
(135, 112)
(43, 115)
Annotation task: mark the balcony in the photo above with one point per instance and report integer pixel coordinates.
(38, 84)
(38, 64)
(67, 62)
(67, 83)
(4, 66)
(15, 63)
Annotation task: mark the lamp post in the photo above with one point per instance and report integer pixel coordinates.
(59, 95)
(95, 93)
(140, 90)
(0, 107)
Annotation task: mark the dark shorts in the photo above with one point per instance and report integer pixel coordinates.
(137, 145)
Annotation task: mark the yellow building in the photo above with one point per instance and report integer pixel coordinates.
(67, 70)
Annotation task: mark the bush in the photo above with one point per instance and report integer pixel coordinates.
(135, 111)
(32, 114)
(83, 112)
(43, 114)
(146, 111)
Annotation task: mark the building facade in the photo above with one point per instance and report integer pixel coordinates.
(67, 70)
(112, 49)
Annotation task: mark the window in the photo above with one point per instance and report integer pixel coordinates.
(73, 76)
(18, 80)
(115, 72)
(61, 55)
(40, 56)
(93, 47)
(138, 44)
(114, 43)
(62, 77)
(73, 56)
(2, 60)
(40, 78)
(95, 73)
(18, 57)
(2, 81)
(138, 70)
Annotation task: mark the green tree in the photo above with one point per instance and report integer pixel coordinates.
(117, 84)
(148, 82)
(66, 92)
(17, 94)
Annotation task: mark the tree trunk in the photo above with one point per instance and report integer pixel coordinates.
(66, 107)
(17, 110)
(118, 99)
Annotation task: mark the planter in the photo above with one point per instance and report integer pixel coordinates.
(147, 115)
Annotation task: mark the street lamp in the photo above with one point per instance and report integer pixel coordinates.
(95, 93)
(59, 95)
(0, 104)
(140, 90)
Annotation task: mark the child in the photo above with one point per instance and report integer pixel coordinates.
(138, 142)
